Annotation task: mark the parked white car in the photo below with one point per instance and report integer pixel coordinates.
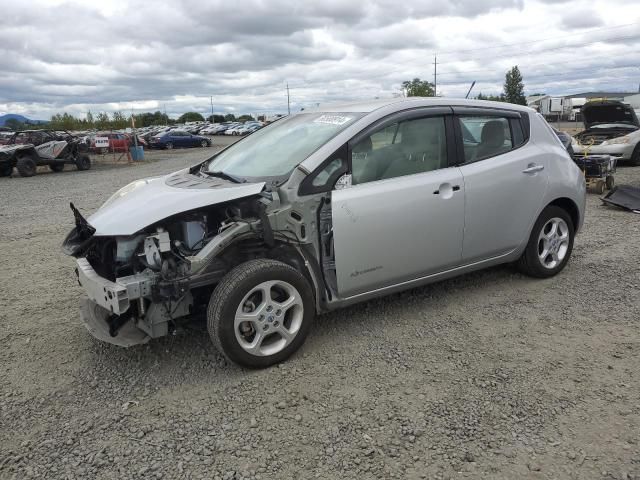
(611, 128)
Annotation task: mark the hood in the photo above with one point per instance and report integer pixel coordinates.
(14, 147)
(608, 111)
(147, 201)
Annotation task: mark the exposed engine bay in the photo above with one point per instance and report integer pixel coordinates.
(145, 281)
(597, 135)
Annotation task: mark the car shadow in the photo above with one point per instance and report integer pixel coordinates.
(189, 356)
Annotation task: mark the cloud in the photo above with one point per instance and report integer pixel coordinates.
(75, 56)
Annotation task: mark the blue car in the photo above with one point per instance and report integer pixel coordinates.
(178, 139)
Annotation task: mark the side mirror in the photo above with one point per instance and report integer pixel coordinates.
(345, 181)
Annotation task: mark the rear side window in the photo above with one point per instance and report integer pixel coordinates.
(487, 136)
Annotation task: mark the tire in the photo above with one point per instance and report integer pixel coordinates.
(6, 170)
(531, 263)
(56, 167)
(204, 144)
(634, 161)
(83, 162)
(26, 166)
(599, 188)
(169, 146)
(611, 182)
(257, 342)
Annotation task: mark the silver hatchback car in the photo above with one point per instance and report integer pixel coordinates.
(324, 209)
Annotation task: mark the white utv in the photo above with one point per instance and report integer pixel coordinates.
(324, 209)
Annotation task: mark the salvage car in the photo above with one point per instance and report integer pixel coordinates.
(323, 209)
(28, 149)
(178, 138)
(611, 128)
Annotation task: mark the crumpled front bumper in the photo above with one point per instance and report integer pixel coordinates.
(109, 295)
(96, 320)
(108, 300)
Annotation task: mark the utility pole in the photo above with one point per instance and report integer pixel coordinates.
(211, 108)
(166, 119)
(288, 100)
(435, 74)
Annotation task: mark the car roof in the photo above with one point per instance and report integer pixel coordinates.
(402, 103)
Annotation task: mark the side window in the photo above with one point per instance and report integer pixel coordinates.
(324, 174)
(402, 148)
(324, 177)
(486, 136)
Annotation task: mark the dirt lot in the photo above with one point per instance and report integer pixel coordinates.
(491, 375)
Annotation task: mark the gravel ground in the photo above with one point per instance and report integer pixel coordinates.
(491, 375)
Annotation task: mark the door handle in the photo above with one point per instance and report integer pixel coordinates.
(447, 189)
(533, 168)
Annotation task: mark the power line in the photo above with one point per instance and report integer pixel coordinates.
(448, 52)
(544, 50)
(528, 66)
(499, 77)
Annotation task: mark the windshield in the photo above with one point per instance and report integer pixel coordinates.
(274, 151)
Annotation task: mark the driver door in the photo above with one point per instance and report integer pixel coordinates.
(403, 216)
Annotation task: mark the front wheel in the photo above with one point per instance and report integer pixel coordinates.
(260, 313)
(26, 166)
(204, 144)
(169, 146)
(550, 244)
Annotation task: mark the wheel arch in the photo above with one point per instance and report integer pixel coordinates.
(296, 256)
(570, 207)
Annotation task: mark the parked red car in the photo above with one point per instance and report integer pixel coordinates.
(118, 142)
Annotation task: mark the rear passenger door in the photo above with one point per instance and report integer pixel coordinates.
(402, 216)
(505, 177)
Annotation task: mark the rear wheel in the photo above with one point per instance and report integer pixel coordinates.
(56, 167)
(204, 143)
(83, 162)
(550, 244)
(260, 313)
(26, 166)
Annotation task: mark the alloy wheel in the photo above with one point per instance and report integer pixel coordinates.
(553, 242)
(268, 318)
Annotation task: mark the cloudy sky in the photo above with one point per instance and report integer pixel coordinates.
(138, 55)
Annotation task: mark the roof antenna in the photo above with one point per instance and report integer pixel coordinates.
(470, 88)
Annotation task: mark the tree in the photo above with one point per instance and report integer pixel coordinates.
(229, 117)
(245, 118)
(216, 118)
(103, 121)
(513, 87)
(491, 98)
(119, 120)
(418, 88)
(190, 117)
(89, 119)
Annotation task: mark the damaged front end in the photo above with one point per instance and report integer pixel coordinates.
(140, 283)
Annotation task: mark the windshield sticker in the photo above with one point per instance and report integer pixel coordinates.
(333, 119)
